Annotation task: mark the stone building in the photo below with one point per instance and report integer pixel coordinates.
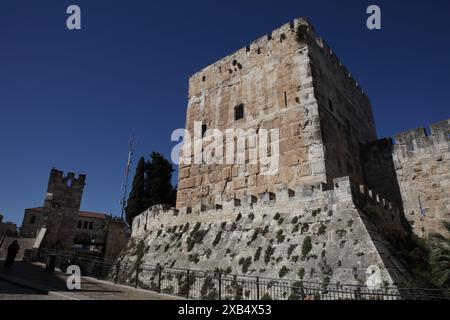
(61, 207)
(89, 232)
(334, 212)
(66, 227)
(326, 128)
(6, 228)
(297, 87)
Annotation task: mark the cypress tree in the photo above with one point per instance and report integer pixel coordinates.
(158, 183)
(137, 202)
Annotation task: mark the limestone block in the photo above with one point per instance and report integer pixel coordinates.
(239, 183)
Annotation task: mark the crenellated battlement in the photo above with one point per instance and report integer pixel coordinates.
(246, 57)
(302, 196)
(339, 65)
(292, 80)
(410, 141)
(346, 224)
(58, 177)
(243, 57)
(407, 143)
(373, 198)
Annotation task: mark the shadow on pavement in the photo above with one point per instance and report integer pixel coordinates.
(36, 279)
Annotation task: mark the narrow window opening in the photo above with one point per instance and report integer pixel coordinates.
(269, 146)
(204, 129)
(285, 99)
(239, 112)
(33, 219)
(330, 105)
(91, 225)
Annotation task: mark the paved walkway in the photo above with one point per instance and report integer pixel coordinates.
(10, 291)
(29, 281)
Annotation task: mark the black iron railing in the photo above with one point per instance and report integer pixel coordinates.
(202, 285)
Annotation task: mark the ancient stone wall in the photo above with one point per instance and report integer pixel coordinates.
(379, 170)
(24, 244)
(116, 239)
(7, 228)
(422, 163)
(414, 173)
(291, 81)
(271, 79)
(346, 118)
(33, 221)
(310, 233)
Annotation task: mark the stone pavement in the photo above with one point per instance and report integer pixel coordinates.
(29, 281)
(10, 291)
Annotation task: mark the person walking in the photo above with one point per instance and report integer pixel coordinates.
(13, 249)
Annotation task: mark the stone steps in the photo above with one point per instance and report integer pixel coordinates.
(24, 243)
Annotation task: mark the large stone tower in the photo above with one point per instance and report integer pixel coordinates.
(290, 81)
(314, 219)
(61, 207)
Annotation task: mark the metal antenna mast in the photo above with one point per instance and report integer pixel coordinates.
(123, 202)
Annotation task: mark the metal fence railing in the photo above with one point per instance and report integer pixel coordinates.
(202, 285)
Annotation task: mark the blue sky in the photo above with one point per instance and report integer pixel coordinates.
(71, 99)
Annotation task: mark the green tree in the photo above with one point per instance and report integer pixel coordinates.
(440, 259)
(158, 185)
(137, 200)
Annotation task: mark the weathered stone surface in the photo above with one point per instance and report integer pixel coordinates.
(270, 77)
(61, 207)
(422, 165)
(347, 231)
(414, 173)
(335, 209)
(66, 225)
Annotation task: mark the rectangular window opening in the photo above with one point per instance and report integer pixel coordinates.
(204, 128)
(239, 112)
(330, 105)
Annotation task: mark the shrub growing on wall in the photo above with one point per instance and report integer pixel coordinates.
(306, 247)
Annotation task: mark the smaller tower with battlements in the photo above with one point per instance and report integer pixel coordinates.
(61, 207)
